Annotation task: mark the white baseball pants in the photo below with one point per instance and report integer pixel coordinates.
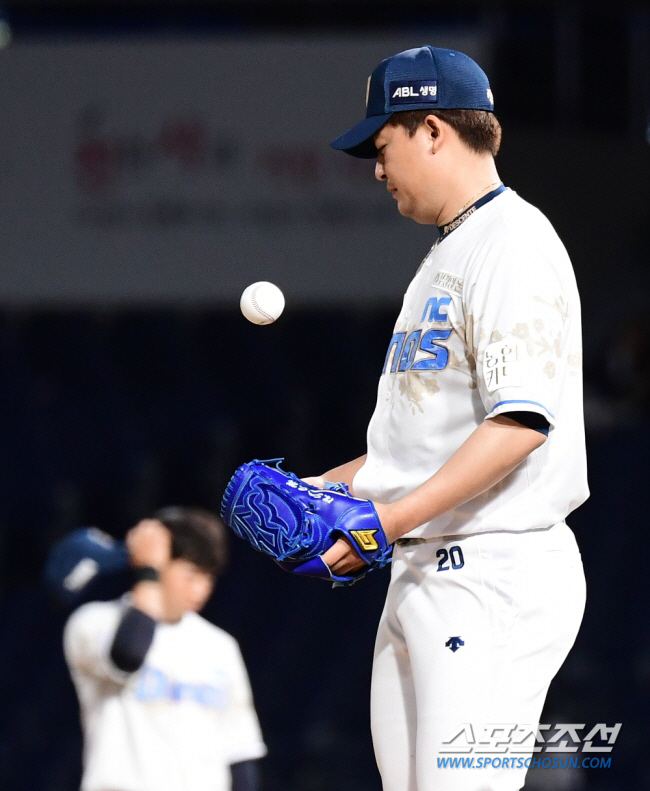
(515, 600)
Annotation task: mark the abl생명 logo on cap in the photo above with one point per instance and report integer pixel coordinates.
(414, 92)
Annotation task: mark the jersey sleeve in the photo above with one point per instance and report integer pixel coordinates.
(87, 640)
(243, 730)
(516, 316)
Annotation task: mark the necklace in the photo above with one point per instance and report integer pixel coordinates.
(473, 198)
(469, 209)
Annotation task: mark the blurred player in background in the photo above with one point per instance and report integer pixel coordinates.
(164, 695)
(475, 450)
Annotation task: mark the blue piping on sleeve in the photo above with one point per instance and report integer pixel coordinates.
(516, 401)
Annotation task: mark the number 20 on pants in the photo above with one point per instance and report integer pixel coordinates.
(453, 556)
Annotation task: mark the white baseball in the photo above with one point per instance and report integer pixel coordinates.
(262, 302)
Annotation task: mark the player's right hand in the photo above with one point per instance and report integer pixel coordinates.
(149, 544)
(317, 481)
(342, 559)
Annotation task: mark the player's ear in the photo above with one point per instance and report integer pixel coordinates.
(435, 131)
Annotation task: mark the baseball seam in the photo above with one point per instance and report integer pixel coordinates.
(257, 306)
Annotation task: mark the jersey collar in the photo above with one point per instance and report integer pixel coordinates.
(445, 230)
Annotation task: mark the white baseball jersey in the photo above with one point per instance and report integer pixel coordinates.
(175, 724)
(489, 324)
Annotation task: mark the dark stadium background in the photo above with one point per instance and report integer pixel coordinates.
(108, 412)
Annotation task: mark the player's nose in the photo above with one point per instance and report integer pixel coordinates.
(380, 174)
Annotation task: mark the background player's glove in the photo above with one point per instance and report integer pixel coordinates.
(295, 523)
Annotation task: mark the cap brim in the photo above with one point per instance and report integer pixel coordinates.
(358, 141)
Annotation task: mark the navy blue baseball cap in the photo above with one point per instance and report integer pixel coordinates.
(85, 565)
(425, 78)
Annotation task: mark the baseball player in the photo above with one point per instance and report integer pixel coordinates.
(475, 452)
(164, 695)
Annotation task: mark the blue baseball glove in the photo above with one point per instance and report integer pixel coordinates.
(279, 514)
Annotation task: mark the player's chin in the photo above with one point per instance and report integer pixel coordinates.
(195, 606)
(403, 208)
(407, 209)
(422, 218)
